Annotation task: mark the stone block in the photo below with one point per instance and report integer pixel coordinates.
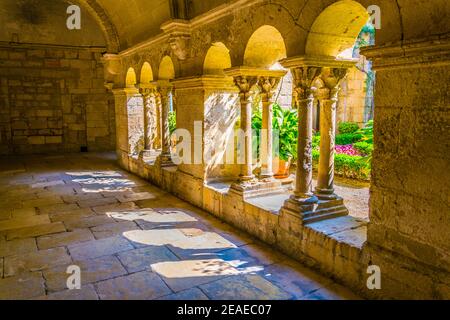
(35, 261)
(36, 140)
(99, 248)
(21, 287)
(143, 285)
(64, 239)
(53, 140)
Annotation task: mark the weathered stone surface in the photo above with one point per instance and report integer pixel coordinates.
(185, 274)
(98, 248)
(143, 259)
(35, 261)
(71, 215)
(143, 285)
(93, 270)
(113, 229)
(14, 247)
(35, 231)
(64, 239)
(23, 222)
(245, 287)
(87, 222)
(21, 287)
(87, 292)
(193, 294)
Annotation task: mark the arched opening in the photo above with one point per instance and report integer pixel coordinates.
(166, 72)
(217, 59)
(265, 48)
(336, 29)
(339, 32)
(130, 80)
(146, 73)
(166, 69)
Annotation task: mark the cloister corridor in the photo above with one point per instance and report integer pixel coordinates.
(130, 239)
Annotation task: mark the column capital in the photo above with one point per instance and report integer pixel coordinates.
(269, 83)
(147, 89)
(332, 78)
(246, 79)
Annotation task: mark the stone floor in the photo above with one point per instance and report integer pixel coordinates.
(130, 239)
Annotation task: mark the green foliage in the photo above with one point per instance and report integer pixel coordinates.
(316, 140)
(348, 127)
(367, 132)
(172, 121)
(348, 138)
(285, 124)
(351, 166)
(364, 147)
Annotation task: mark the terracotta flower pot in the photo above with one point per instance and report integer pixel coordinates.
(283, 168)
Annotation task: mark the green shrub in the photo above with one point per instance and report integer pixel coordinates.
(367, 132)
(348, 138)
(364, 147)
(348, 127)
(351, 166)
(172, 121)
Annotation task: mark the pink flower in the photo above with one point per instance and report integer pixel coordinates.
(347, 149)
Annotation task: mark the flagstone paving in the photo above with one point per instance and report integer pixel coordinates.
(130, 240)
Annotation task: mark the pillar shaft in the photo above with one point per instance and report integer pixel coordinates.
(331, 78)
(157, 144)
(325, 180)
(304, 99)
(303, 181)
(165, 132)
(246, 127)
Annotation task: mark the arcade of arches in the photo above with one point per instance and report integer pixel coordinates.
(139, 69)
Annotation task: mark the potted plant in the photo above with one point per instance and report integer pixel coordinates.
(284, 124)
(285, 121)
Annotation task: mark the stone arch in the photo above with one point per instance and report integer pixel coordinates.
(335, 30)
(265, 47)
(166, 69)
(146, 74)
(130, 80)
(217, 59)
(108, 28)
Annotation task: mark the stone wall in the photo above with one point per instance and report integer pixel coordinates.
(53, 99)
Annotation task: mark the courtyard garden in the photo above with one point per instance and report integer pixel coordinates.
(354, 145)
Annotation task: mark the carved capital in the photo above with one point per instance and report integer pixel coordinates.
(268, 86)
(303, 82)
(246, 85)
(332, 78)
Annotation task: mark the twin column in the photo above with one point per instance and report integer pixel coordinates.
(308, 79)
(251, 81)
(156, 118)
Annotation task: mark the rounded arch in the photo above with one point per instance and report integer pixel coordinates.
(217, 59)
(108, 28)
(146, 73)
(166, 69)
(130, 80)
(265, 47)
(335, 30)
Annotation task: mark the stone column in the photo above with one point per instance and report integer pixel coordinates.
(148, 94)
(267, 86)
(328, 103)
(304, 100)
(245, 85)
(157, 143)
(165, 90)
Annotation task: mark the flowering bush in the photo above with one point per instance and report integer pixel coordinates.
(347, 149)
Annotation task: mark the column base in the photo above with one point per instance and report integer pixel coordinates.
(145, 154)
(325, 194)
(254, 187)
(312, 209)
(164, 160)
